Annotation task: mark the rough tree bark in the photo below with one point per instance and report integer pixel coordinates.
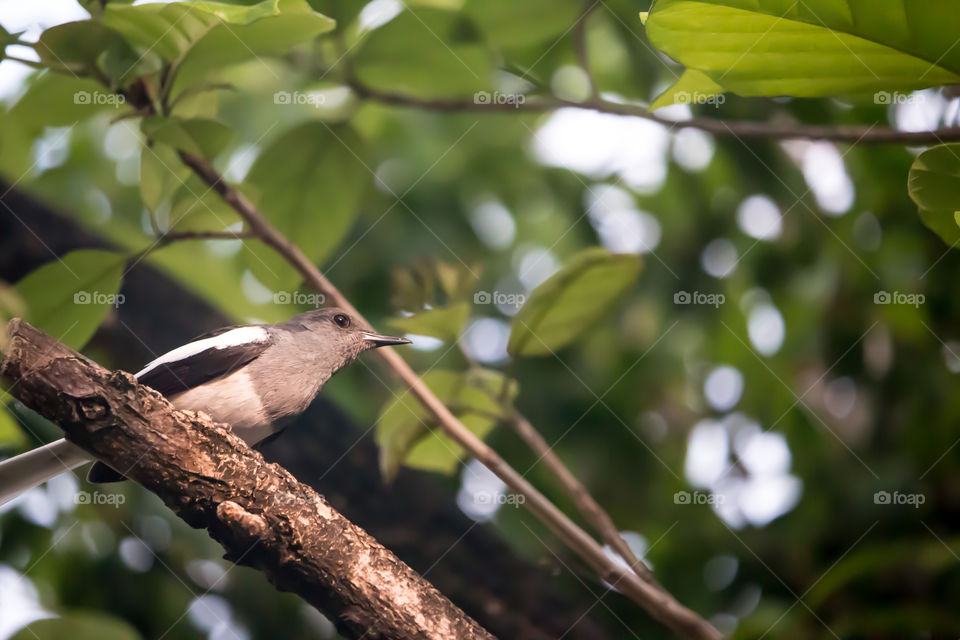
(259, 512)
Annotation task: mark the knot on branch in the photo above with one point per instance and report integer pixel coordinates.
(247, 527)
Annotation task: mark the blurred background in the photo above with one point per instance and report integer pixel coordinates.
(767, 414)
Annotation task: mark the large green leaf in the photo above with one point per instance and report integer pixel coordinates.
(197, 136)
(442, 322)
(811, 48)
(56, 100)
(200, 37)
(407, 433)
(571, 300)
(90, 48)
(934, 184)
(69, 298)
(423, 52)
(310, 182)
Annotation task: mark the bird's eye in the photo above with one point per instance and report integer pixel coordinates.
(341, 320)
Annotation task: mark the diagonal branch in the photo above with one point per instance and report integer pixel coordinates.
(654, 599)
(209, 477)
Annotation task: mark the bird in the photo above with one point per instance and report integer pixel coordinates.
(254, 378)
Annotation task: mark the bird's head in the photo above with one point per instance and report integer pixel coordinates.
(340, 335)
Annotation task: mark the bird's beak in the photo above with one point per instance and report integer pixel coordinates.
(379, 340)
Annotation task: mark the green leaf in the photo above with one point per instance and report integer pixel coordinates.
(522, 22)
(692, 87)
(11, 435)
(442, 322)
(78, 626)
(200, 37)
(78, 46)
(814, 48)
(197, 136)
(424, 53)
(571, 300)
(934, 184)
(69, 298)
(407, 434)
(57, 100)
(310, 182)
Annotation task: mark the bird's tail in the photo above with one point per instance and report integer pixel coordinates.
(29, 469)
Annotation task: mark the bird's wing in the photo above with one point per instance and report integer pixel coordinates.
(209, 356)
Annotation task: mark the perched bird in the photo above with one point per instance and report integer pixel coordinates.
(254, 378)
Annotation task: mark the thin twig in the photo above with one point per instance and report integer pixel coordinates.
(653, 598)
(741, 129)
(588, 507)
(580, 45)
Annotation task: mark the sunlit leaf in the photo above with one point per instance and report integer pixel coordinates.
(934, 184)
(69, 298)
(691, 88)
(810, 48)
(571, 301)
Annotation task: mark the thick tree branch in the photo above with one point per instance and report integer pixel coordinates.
(260, 513)
(859, 134)
(654, 599)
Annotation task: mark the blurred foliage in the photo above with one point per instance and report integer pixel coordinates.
(395, 204)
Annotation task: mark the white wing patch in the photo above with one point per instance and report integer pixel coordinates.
(232, 338)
